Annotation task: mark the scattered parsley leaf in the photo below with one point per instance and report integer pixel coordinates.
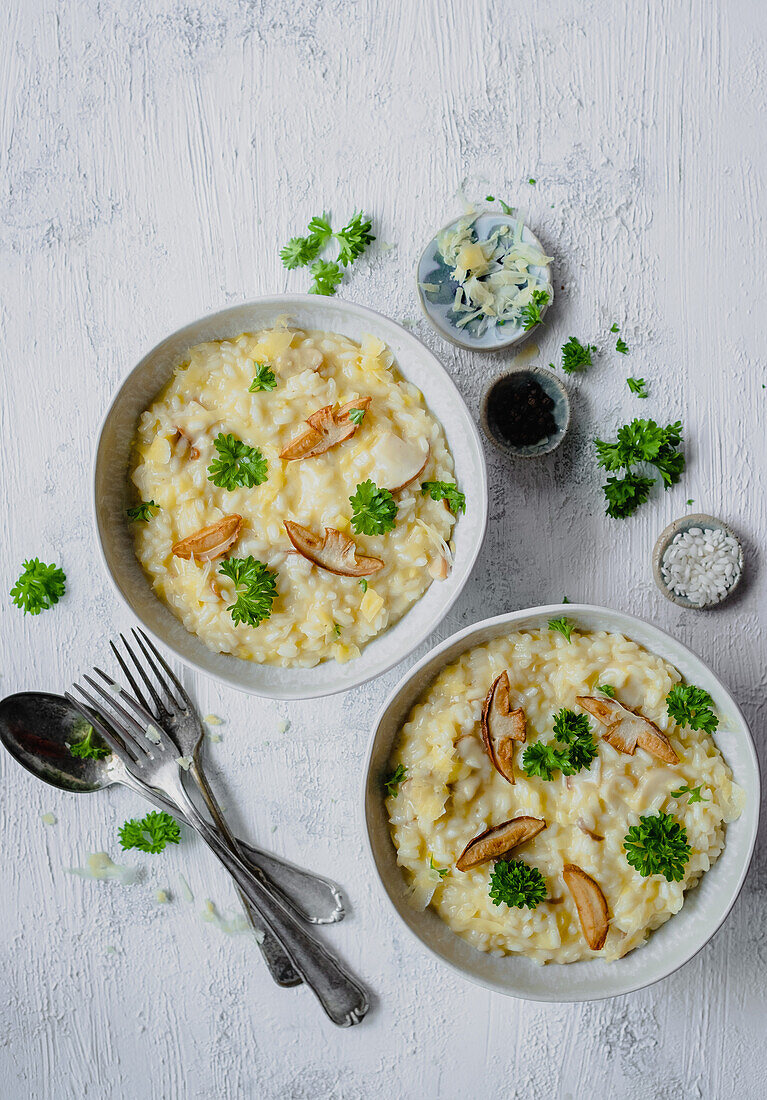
(505, 208)
(607, 689)
(693, 792)
(337, 630)
(563, 625)
(327, 275)
(89, 746)
(658, 846)
(374, 510)
(255, 589)
(264, 379)
(354, 238)
(39, 587)
(489, 198)
(621, 345)
(237, 464)
(531, 181)
(516, 884)
(143, 511)
(441, 871)
(447, 491)
(356, 416)
(576, 356)
(150, 833)
(624, 495)
(693, 707)
(363, 584)
(614, 328)
(566, 600)
(530, 315)
(690, 501)
(637, 386)
(398, 776)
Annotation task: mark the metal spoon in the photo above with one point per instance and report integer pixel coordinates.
(35, 727)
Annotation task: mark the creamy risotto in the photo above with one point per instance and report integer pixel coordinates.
(309, 417)
(445, 791)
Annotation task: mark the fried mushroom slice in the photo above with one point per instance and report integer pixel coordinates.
(626, 730)
(590, 903)
(210, 542)
(502, 726)
(336, 552)
(326, 428)
(501, 838)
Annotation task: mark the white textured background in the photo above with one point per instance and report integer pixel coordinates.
(154, 157)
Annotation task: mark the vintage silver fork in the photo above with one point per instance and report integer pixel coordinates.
(175, 711)
(156, 767)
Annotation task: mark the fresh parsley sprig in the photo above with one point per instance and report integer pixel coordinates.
(89, 745)
(150, 833)
(255, 589)
(693, 792)
(263, 379)
(392, 784)
(658, 846)
(575, 356)
(625, 494)
(326, 275)
(607, 689)
(374, 510)
(356, 416)
(237, 464)
(641, 441)
(142, 511)
(637, 386)
(575, 751)
(563, 626)
(530, 315)
(693, 707)
(516, 884)
(354, 238)
(621, 346)
(447, 491)
(39, 586)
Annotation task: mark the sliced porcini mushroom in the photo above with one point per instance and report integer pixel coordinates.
(502, 726)
(589, 832)
(326, 428)
(397, 462)
(194, 452)
(590, 903)
(626, 730)
(210, 542)
(438, 568)
(335, 552)
(501, 838)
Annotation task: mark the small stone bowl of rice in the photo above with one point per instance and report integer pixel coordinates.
(697, 561)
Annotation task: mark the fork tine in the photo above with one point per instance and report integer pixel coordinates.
(116, 744)
(171, 674)
(129, 677)
(161, 707)
(146, 716)
(134, 729)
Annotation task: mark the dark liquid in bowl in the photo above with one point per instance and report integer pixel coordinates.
(520, 412)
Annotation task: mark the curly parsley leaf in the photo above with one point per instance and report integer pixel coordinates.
(327, 275)
(693, 792)
(693, 707)
(543, 759)
(624, 495)
(621, 346)
(255, 589)
(374, 510)
(447, 491)
(263, 379)
(399, 775)
(576, 749)
(563, 625)
(658, 846)
(39, 586)
(356, 416)
(320, 230)
(89, 745)
(530, 315)
(150, 833)
(637, 386)
(299, 251)
(576, 356)
(354, 238)
(142, 511)
(516, 884)
(237, 464)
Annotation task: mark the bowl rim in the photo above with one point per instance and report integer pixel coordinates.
(464, 635)
(282, 303)
(455, 338)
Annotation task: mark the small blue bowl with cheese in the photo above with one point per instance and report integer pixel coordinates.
(484, 281)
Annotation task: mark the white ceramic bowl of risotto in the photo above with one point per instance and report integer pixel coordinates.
(112, 494)
(668, 947)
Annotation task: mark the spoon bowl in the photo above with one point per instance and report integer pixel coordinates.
(36, 729)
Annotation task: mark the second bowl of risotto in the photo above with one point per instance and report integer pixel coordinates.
(566, 785)
(290, 494)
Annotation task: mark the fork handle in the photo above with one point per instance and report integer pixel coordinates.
(340, 994)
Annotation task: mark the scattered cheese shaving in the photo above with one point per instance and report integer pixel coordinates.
(213, 720)
(152, 734)
(162, 896)
(283, 726)
(371, 604)
(48, 819)
(100, 866)
(184, 762)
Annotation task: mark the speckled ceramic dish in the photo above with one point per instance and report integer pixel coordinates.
(110, 484)
(686, 523)
(561, 413)
(437, 304)
(670, 946)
